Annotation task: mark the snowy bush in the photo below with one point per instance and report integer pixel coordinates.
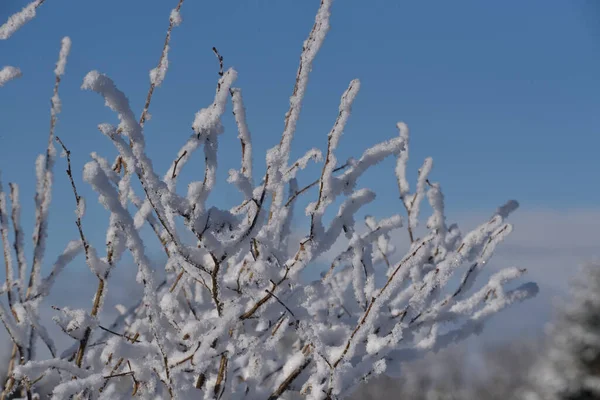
(234, 318)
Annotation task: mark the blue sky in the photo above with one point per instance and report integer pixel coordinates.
(505, 96)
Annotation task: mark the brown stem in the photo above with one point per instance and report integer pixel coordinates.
(10, 381)
(289, 379)
(215, 285)
(221, 376)
(174, 175)
(88, 331)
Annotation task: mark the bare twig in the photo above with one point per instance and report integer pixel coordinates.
(174, 175)
(220, 58)
(215, 285)
(280, 302)
(119, 375)
(101, 279)
(133, 339)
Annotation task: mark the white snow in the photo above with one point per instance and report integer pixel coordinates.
(17, 20)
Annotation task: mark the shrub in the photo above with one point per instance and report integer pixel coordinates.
(234, 319)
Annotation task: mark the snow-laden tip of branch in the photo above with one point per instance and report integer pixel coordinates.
(239, 111)
(208, 120)
(73, 249)
(495, 284)
(157, 75)
(311, 47)
(65, 48)
(417, 197)
(505, 210)
(8, 74)
(345, 108)
(17, 20)
(113, 97)
(402, 160)
(370, 157)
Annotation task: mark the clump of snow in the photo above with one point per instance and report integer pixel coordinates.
(74, 322)
(8, 74)
(175, 17)
(17, 20)
(62, 57)
(157, 75)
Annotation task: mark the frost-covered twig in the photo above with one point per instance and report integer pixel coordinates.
(157, 75)
(18, 237)
(17, 20)
(8, 74)
(44, 173)
(8, 262)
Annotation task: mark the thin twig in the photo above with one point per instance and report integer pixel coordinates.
(118, 375)
(280, 302)
(101, 279)
(132, 339)
(220, 58)
(174, 175)
(215, 285)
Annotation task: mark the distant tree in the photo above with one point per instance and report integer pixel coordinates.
(570, 367)
(234, 319)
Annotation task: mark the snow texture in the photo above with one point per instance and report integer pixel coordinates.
(8, 74)
(17, 20)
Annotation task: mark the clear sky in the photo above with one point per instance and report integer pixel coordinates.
(505, 96)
